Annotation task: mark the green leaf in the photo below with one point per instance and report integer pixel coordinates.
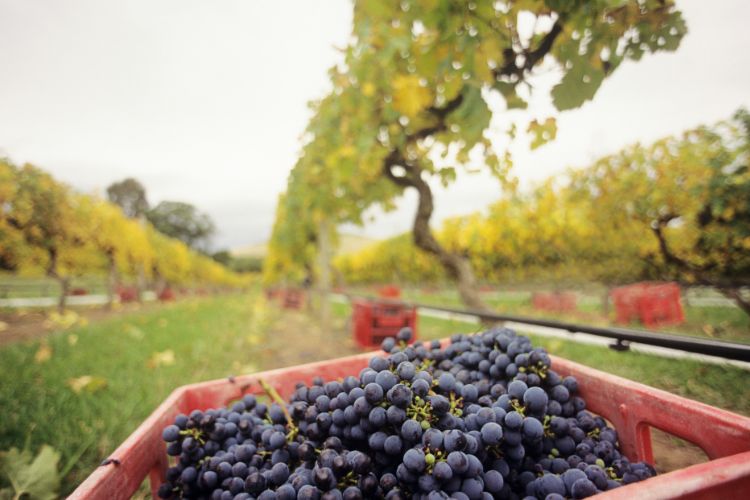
(512, 100)
(473, 116)
(578, 85)
(35, 478)
(542, 133)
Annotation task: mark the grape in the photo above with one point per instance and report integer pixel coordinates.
(400, 395)
(414, 460)
(374, 393)
(308, 492)
(411, 430)
(392, 445)
(535, 399)
(492, 433)
(404, 335)
(446, 382)
(171, 433)
(279, 473)
(513, 420)
(582, 488)
(532, 429)
(406, 370)
(493, 481)
(189, 475)
(442, 471)
(458, 462)
(550, 484)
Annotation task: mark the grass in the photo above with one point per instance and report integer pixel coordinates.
(209, 338)
(724, 386)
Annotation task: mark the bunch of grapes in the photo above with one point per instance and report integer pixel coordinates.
(485, 417)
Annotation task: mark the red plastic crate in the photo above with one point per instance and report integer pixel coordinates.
(554, 301)
(373, 321)
(127, 294)
(166, 295)
(293, 299)
(653, 304)
(289, 298)
(632, 408)
(389, 292)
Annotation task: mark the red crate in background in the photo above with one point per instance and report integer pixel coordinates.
(77, 292)
(389, 292)
(653, 304)
(373, 321)
(554, 301)
(292, 298)
(166, 295)
(127, 294)
(289, 298)
(633, 408)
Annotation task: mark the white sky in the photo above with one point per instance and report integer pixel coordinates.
(204, 102)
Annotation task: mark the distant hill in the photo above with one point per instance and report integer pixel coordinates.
(348, 243)
(255, 250)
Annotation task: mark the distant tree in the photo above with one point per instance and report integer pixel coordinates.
(222, 257)
(130, 195)
(239, 264)
(184, 222)
(246, 264)
(54, 228)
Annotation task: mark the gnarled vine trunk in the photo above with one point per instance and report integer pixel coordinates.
(111, 279)
(458, 268)
(64, 281)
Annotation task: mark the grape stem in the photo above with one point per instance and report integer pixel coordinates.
(274, 395)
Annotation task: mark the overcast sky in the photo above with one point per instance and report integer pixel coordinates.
(205, 101)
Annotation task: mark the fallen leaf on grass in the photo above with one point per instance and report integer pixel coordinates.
(254, 339)
(43, 354)
(3, 326)
(29, 476)
(134, 331)
(62, 321)
(241, 369)
(162, 322)
(72, 339)
(708, 330)
(164, 358)
(88, 383)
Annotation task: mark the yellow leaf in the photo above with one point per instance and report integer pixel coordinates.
(87, 383)
(62, 321)
(134, 331)
(162, 322)
(43, 354)
(72, 339)
(409, 96)
(3, 326)
(368, 89)
(164, 358)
